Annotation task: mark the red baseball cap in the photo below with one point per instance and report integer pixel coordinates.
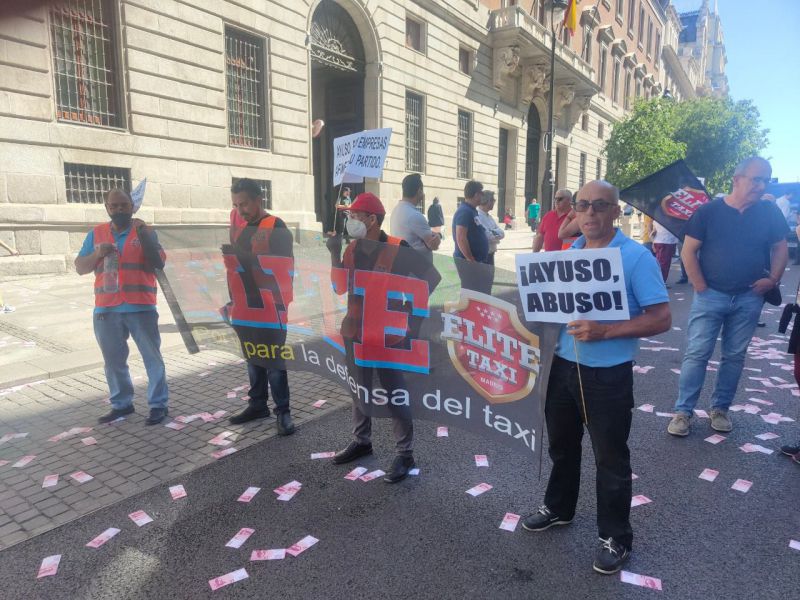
(366, 202)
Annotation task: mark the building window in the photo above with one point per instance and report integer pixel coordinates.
(89, 184)
(602, 68)
(638, 88)
(615, 81)
(465, 61)
(415, 35)
(599, 171)
(566, 37)
(85, 62)
(266, 191)
(586, 52)
(414, 132)
(627, 98)
(601, 130)
(539, 9)
(641, 26)
(464, 149)
(585, 121)
(658, 49)
(582, 171)
(631, 15)
(649, 38)
(245, 76)
(620, 8)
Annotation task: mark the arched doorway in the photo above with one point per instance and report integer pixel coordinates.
(532, 156)
(337, 96)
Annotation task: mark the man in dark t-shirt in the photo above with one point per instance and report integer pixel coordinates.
(734, 252)
(472, 246)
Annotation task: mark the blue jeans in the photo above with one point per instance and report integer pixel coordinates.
(262, 380)
(111, 330)
(737, 316)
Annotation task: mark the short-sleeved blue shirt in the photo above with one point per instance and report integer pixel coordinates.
(120, 237)
(467, 216)
(645, 287)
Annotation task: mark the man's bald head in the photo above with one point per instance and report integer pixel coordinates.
(597, 207)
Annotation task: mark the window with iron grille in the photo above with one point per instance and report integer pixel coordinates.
(266, 191)
(658, 49)
(627, 98)
(586, 51)
(464, 60)
(641, 27)
(85, 62)
(620, 8)
(599, 172)
(582, 171)
(464, 150)
(89, 184)
(615, 81)
(649, 37)
(601, 130)
(415, 35)
(602, 68)
(631, 15)
(585, 121)
(414, 132)
(245, 75)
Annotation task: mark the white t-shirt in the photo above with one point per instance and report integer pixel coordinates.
(662, 235)
(411, 225)
(785, 206)
(493, 232)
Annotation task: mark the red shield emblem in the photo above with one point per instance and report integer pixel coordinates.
(490, 348)
(682, 203)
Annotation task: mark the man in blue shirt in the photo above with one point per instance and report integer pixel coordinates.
(591, 384)
(472, 245)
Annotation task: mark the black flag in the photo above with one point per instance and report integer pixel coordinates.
(671, 196)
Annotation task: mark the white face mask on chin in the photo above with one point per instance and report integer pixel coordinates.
(356, 229)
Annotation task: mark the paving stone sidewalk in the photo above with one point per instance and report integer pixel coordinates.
(128, 457)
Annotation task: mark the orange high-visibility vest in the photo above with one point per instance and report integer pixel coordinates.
(136, 281)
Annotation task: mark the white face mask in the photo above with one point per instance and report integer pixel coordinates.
(356, 229)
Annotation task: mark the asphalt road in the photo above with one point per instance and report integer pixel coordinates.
(426, 538)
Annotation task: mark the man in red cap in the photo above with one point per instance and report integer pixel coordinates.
(373, 250)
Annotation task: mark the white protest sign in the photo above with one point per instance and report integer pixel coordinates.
(360, 155)
(137, 195)
(559, 287)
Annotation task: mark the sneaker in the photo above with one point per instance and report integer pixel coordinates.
(543, 519)
(115, 413)
(156, 416)
(401, 465)
(352, 452)
(791, 450)
(284, 424)
(610, 557)
(720, 421)
(249, 414)
(679, 425)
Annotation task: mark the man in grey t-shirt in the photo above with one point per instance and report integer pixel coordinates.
(410, 224)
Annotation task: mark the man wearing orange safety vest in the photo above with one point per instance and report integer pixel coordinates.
(373, 250)
(124, 255)
(254, 232)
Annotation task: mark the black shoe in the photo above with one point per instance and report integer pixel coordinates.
(248, 414)
(401, 465)
(791, 450)
(761, 324)
(284, 423)
(543, 519)
(610, 557)
(156, 416)
(352, 452)
(116, 413)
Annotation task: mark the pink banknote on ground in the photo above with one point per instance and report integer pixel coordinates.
(177, 492)
(639, 500)
(89, 441)
(372, 475)
(442, 432)
(479, 489)
(227, 579)
(81, 477)
(221, 453)
(319, 403)
(103, 537)
(50, 481)
(481, 460)
(140, 518)
(240, 538)
(302, 545)
(509, 522)
(742, 485)
(24, 461)
(248, 494)
(715, 439)
(274, 554)
(708, 474)
(355, 473)
(175, 425)
(768, 436)
(640, 580)
(317, 455)
(49, 566)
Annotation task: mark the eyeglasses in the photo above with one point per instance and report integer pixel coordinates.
(598, 205)
(557, 198)
(758, 180)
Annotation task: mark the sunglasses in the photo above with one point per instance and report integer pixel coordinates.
(597, 205)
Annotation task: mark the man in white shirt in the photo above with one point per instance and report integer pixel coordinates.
(493, 231)
(410, 224)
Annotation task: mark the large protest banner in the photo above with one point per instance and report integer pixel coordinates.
(558, 287)
(400, 336)
(360, 155)
(671, 196)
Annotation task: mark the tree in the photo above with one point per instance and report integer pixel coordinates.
(711, 134)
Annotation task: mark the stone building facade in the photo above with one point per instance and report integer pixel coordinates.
(192, 94)
(702, 47)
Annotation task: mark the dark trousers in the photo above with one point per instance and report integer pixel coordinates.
(609, 400)
(475, 276)
(262, 380)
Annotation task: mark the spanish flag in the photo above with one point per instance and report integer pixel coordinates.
(571, 17)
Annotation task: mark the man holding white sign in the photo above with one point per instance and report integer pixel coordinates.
(591, 380)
